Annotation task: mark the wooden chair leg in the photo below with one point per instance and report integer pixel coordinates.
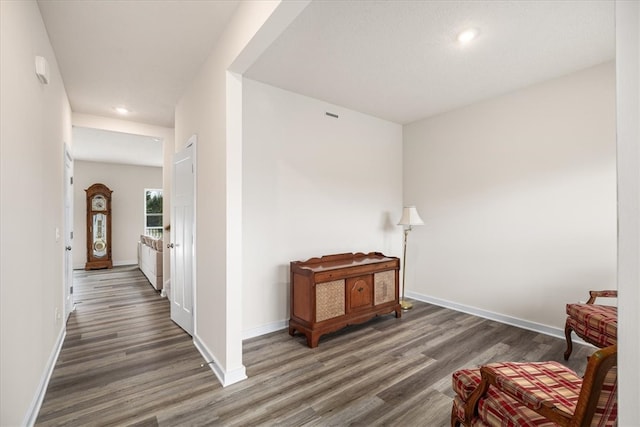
(567, 334)
(455, 422)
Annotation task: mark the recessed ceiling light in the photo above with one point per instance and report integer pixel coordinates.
(121, 110)
(467, 35)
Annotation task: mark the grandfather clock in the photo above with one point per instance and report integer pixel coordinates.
(98, 227)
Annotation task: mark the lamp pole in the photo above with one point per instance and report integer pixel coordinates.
(406, 305)
(409, 218)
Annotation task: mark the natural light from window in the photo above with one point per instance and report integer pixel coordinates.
(153, 213)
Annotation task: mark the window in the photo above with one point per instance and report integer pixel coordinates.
(153, 213)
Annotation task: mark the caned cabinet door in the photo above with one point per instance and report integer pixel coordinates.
(384, 287)
(329, 300)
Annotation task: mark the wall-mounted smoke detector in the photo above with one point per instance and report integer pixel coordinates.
(42, 70)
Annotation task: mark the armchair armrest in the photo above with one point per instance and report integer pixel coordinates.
(549, 388)
(607, 293)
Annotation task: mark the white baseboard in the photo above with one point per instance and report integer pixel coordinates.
(226, 378)
(34, 408)
(485, 314)
(498, 317)
(166, 289)
(125, 262)
(265, 329)
(115, 264)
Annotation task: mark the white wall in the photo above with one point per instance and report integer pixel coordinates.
(202, 110)
(518, 194)
(312, 185)
(128, 183)
(36, 122)
(628, 126)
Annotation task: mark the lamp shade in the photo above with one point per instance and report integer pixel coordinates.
(410, 216)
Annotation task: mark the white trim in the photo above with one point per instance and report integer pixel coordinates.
(123, 263)
(498, 317)
(628, 162)
(192, 143)
(226, 378)
(68, 303)
(265, 329)
(182, 318)
(233, 202)
(126, 262)
(36, 404)
(485, 314)
(166, 289)
(235, 376)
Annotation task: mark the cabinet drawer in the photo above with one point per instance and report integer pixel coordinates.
(327, 276)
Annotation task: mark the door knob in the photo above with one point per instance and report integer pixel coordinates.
(68, 248)
(170, 245)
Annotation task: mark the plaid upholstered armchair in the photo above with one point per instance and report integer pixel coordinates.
(596, 324)
(538, 394)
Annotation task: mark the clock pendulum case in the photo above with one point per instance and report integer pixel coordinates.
(98, 227)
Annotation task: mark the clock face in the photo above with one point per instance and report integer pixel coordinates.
(99, 203)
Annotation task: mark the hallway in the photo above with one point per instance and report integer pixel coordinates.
(123, 359)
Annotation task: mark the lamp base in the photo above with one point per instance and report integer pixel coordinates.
(405, 305)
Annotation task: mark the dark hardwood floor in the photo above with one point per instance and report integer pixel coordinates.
(124, 362)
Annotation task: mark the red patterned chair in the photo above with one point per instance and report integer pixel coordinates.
(596, 324)
(538, 394)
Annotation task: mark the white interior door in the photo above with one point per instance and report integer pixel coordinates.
(182, 242)
(68, 233)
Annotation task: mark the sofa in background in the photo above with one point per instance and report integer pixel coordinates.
(150, 260)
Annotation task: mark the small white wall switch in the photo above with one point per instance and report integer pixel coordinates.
(57, 234)
(42, 70)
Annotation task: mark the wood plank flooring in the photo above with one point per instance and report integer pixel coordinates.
(124, 362)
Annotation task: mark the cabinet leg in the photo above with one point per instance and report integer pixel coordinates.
(312, 340)
(292, 330)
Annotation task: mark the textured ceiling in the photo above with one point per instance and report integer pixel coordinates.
(138, 54)
(400, 60)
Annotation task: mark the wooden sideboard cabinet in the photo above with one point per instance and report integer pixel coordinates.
(333, 291)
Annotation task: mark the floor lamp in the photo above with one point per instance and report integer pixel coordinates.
(409, 218)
